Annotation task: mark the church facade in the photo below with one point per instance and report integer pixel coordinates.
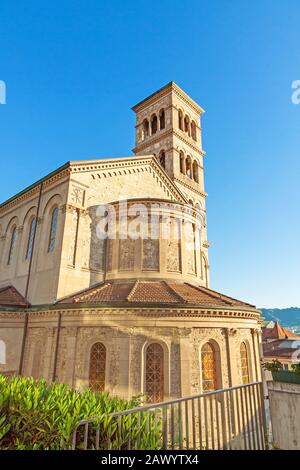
(127, 309)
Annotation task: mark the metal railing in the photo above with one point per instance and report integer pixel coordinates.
(232, 418)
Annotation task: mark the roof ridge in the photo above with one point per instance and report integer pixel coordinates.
(226, 298)
(16, 294)
(133, 290)
(173, 291)
(215, 295)
(94, 291)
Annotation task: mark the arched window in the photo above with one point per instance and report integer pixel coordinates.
(30, 238)
(244, 363)
(209, 368)
(145, 128)
(195, 172)
(155, 373)
(162, 159)
(188, 167)
(97, 367)
(12, 245)
(193, 130)
(154, 124)
(180, 120)
(181, 161)
(53, 230)
(162, 119)
(187, 125)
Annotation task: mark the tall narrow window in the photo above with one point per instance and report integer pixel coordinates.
(30, 238)
(180, 120)
(244, 364)
(195, 172)
(12, 245)
(181, 161)
(53, 230)
(162, 159)
(145, 128)
(154, 125)
(162, 119)
(97, 367)
(187, 125)
(209, 372)
(188, 167)
(155, 373)
(193, 130)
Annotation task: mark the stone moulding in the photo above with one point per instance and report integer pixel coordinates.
(164, 91)
(163, 312)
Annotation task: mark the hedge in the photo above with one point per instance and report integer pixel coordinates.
(35, 415)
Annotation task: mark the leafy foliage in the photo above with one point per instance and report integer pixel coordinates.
(296, 368)
(36, 415)
(274, 366)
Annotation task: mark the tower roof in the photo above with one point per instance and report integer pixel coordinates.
(171, 86)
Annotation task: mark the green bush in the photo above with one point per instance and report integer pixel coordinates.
(274, 366)
(36, 415)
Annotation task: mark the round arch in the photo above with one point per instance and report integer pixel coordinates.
(165, 363)
(210, 372)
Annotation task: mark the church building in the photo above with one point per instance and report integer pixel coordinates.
(132, 315)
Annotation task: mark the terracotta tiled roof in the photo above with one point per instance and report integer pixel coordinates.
(278, 332)
(153, 292)
(10, 296)
(280, 349)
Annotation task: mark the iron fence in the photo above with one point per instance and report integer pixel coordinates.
(232, 418)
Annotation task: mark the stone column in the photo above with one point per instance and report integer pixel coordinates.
(2, 246)
(123, 379)
(48, 353)
(136, 365)
(231, 357)
(259, 353)
(71, 339)
(256, 360)
(185, 365)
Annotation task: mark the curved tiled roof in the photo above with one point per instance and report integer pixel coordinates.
(153, 292)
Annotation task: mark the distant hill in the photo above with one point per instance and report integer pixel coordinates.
(285, 316)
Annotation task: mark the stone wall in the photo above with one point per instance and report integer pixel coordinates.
(126, 335)
(285, 412)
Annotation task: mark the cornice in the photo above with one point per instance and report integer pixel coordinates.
(33, 192)
(173, 206)
(162, 312)
(191, 187)
(152, 139)
(156, 138)
(167, 89)
(187, 141)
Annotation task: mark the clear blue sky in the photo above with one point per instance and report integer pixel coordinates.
(73, 69)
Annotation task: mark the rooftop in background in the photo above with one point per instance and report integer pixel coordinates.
(277, 332)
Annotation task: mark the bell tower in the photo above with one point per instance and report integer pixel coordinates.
(168, 126)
